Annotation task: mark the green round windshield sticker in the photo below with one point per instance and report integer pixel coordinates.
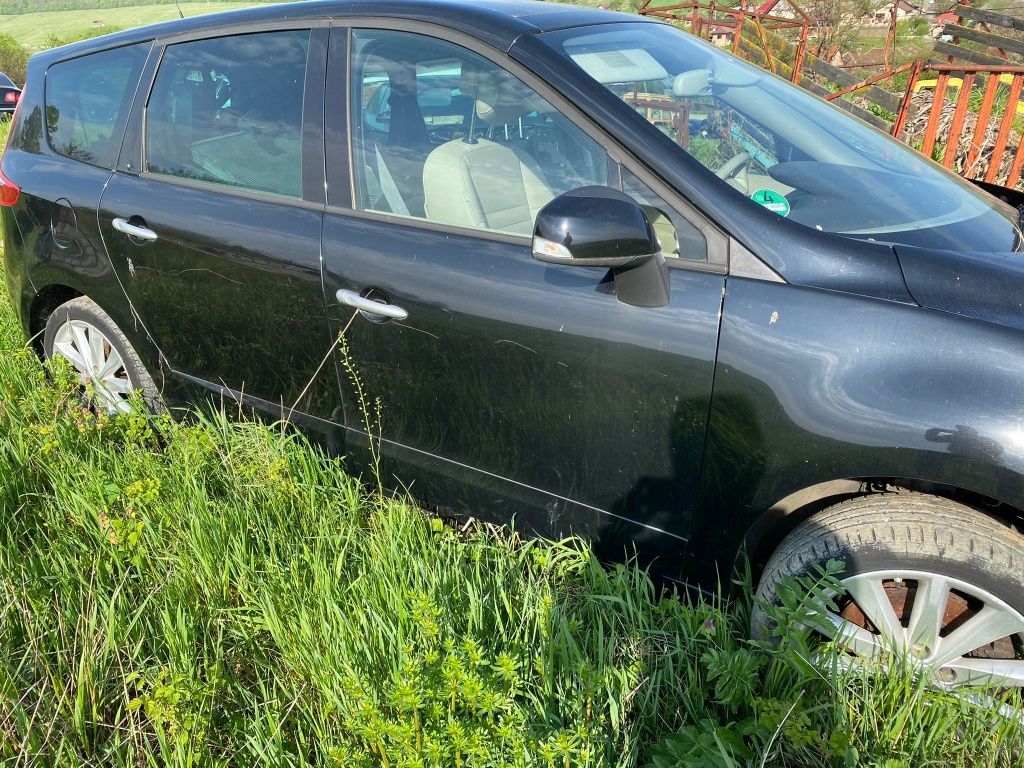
(771, 200)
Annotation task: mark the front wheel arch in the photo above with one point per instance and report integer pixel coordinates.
(935, 581)
(770, 528)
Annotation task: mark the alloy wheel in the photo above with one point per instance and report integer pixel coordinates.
(97, 362)
(954, 632)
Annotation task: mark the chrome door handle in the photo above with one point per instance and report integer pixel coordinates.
(353, 299)
(139, 233)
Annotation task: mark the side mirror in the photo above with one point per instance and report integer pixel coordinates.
(603, 227)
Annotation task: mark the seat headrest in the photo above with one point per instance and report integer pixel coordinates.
(499, 98)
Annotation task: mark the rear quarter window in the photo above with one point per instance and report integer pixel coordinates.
(87, 101)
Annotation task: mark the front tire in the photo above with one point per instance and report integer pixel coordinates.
(935, 580)
(82, 333)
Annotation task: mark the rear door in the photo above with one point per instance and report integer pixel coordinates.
(513, 388)
(213, 219)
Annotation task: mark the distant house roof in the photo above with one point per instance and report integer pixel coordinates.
(946, 18)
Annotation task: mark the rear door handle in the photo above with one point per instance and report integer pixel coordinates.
(139, 233)
(371, 307)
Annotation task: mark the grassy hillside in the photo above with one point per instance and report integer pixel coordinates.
(37, 20)
(33, 29)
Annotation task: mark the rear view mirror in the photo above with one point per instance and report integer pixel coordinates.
(692, 84)
(603, 227)
(695, 83)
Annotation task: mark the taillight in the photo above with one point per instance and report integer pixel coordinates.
(11, 97)
(8, 191)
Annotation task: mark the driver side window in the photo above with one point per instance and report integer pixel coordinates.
(442, 134)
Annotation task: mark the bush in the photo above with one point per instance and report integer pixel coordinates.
(13, 59)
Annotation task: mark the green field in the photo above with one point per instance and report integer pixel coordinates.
(32, 29)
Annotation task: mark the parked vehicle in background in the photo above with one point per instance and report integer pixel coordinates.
(606, 280)
(10, 95)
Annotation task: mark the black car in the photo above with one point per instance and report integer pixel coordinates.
(604, 279)
(10, 95)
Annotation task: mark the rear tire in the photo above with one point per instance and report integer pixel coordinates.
(936, 579)
(82, 333)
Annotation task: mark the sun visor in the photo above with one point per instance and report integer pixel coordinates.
(623, 65)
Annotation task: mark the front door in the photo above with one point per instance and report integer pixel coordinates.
(216, 241)
(512, 387)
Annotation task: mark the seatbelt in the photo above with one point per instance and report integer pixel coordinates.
(388, 186)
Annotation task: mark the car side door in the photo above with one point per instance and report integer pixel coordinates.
(507, 388)
(213, 217)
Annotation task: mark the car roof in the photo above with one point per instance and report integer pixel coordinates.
(498, 22)
(6, 81)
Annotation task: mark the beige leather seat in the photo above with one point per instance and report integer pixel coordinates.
(476, 182)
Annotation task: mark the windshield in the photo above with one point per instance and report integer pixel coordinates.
(784, 149)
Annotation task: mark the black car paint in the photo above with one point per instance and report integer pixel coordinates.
(524, 390)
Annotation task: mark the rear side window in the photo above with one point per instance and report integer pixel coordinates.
(87, 102)
(229, 111)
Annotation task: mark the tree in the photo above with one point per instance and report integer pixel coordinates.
(835, 24)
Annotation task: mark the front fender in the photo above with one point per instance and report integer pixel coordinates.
(813, 386)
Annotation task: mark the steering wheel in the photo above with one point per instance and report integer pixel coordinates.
(733, 165)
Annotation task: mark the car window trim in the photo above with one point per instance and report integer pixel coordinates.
(129, 157)
(338, 179)
(242, 192)
(160, 47)
(245, 28)
(716, 239)
(121, 126)
(313, 148)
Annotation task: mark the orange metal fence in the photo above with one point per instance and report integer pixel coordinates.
(708, 18)
(983, 156)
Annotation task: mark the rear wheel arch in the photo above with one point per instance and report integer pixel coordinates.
(43, 305)
(768, 531)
